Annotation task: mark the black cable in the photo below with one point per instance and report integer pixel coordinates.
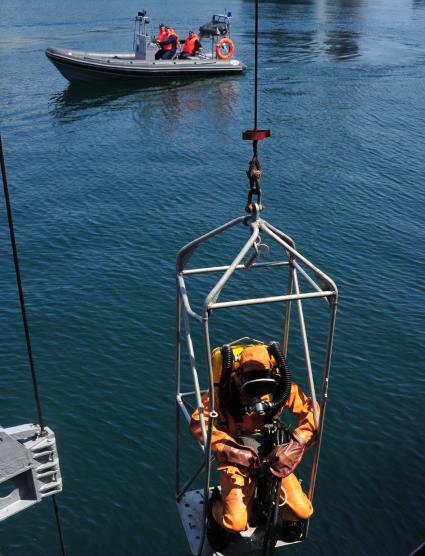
(26, 326)
(59, 525)
(20, 289)
(256, 68)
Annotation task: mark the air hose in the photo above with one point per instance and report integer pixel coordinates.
(285, 389)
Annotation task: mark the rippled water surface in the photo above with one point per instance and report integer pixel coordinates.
(108, 182)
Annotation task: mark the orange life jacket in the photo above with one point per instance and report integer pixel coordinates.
(189, 44)
(162, 36)
(171, 33)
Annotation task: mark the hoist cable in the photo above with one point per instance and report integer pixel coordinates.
(256, 70)
(26, 326)
(255, 172)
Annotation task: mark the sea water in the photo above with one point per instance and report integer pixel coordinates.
(109, 181)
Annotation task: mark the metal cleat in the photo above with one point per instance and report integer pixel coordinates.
(29, 459)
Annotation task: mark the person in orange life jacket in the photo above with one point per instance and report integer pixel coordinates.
(170, 45)
(250, 382)
(191, 46)
(162, 36)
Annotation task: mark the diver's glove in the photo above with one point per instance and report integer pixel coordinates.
(236, 454)
(285, 457)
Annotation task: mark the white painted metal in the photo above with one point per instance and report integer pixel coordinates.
(29, 463)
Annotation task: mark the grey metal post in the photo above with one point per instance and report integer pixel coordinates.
(215, 292)
(186, 252)
(178, 386)
(212, 416)
(271, 231)
(190, 481)
(306, 351)
(199, 403)
(324, 398)
(287, 315)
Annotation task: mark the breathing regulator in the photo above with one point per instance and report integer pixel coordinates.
(274, 381)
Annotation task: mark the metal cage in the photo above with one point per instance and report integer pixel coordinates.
(301, 272)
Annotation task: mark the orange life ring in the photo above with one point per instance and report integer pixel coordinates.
(221, 43)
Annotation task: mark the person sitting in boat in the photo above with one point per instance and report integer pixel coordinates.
(162, 36)
(191, 46)
(168, 47)
(248, 384)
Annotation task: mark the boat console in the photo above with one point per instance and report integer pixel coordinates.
(144, 47)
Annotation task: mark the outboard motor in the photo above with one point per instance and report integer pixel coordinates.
(144, 48)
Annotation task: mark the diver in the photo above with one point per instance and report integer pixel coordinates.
(169, 46)
(251, 384)
(162, 36)
(191, 46)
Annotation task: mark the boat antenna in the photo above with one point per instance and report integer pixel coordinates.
(26, 329)
(255, 172)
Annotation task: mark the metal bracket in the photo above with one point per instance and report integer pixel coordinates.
(29, 459)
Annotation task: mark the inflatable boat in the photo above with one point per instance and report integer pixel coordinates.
(77, 65)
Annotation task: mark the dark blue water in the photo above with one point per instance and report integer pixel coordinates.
(108, 182)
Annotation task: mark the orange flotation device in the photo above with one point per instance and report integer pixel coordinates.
(189, 44)
(171, 33)
(220, 44)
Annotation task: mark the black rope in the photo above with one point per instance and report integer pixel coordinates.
(26, 326)
(59, 525)
(20, 289)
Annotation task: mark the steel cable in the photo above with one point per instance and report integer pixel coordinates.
(20, 289)
(255, 171)
(26, 325)
(256, 73)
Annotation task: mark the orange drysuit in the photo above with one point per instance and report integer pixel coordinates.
(238, 483)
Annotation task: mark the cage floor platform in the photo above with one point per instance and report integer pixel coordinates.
(191, 510)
